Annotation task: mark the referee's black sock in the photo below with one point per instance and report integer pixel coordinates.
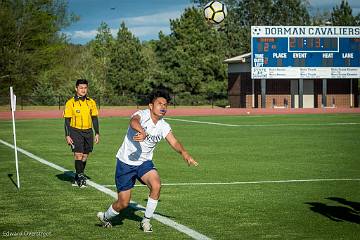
(78, 168)
(84, 165)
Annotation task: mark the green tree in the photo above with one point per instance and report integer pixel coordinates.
(246, 13)
(96, 59)
(30, 40)
(342, 15)
(268, 12)
(127, 72)
(154, 70)
(102, 44)
(59, 80)
(192, 56)
(321, 18)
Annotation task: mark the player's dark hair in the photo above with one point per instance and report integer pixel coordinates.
(81, 81)
(159, 93)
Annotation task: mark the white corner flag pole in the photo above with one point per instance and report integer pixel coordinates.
(13, 108)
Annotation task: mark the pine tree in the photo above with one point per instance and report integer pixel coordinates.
(127, 72)
(342, 15)
(29, 40)
(192, 56)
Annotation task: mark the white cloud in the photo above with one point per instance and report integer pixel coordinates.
(149, 30)
(140, 26)
(82, 34)
(114, 31)
(143, 26)
(330, 4)
(154, 19)
(158, 19)
(143, 31)
(138, 31)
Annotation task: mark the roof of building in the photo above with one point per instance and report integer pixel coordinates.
(239, 59)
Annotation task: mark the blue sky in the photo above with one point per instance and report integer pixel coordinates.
(144, 18)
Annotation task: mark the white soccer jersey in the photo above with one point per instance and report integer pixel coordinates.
(135, 153)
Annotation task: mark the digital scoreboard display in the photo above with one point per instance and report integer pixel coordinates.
(305, 52)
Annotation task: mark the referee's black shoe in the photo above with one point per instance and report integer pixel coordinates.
(75, 180)
(79, 181)
(82, 181)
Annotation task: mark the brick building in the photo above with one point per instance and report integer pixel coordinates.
(245, 92)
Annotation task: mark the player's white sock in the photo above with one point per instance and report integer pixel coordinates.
(150, 207)
(110, 213)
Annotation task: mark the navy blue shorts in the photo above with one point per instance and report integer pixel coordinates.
(126, 175)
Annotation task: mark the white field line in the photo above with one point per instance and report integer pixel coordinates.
(253, 182)
(179, 227)
(264, 125)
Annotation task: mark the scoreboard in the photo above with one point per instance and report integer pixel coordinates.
(305, 52)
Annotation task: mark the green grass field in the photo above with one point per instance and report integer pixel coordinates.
(261, 148)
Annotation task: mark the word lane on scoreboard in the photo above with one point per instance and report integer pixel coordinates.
(305, 52)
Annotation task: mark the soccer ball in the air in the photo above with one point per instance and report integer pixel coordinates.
(215, 12)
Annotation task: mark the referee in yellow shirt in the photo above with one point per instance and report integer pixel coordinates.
(81, 116)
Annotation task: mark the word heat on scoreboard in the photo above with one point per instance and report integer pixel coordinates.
(315, 52)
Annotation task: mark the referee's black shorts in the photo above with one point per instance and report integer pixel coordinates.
(83, 140)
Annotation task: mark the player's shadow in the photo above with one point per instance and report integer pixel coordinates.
(163, 215)
(68, 176)
(133, 205)
(354, 205)
(336, 213)
(128, 213)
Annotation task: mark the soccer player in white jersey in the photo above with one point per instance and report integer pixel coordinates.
(134, 158)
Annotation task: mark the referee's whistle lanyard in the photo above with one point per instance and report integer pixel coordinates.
(80, 98)
(83, 98)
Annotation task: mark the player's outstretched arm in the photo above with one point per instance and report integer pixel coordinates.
(177, 146)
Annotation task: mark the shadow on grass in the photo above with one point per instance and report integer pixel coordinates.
(128, 213)
(354, 205)
(68, 176)
(143, 209)
(10, 175)
(337, 213)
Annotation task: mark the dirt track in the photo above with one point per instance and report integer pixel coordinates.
(33, 114)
